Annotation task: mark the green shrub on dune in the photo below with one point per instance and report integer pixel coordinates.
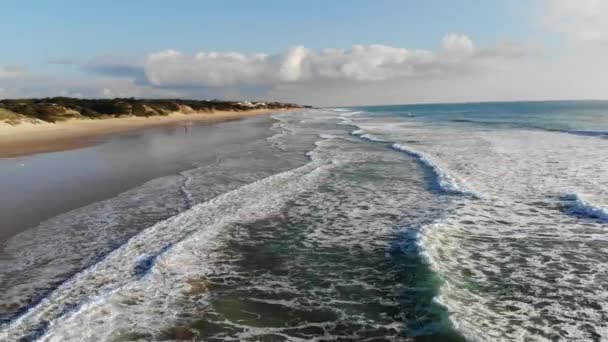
(61, 108)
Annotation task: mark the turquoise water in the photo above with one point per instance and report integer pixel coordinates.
(480, 222)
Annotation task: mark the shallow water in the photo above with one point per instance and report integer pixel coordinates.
(38, 187)
(337, 224)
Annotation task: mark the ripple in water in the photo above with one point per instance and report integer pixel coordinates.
(337, 263)
(327, 251)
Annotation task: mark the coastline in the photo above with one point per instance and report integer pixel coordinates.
(41, 186)
(31, 138)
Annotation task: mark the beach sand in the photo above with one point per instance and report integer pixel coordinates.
(28, 138)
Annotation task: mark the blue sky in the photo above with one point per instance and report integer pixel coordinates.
(35, 32)
(36, 35)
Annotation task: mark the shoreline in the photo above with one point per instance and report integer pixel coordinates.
(41, 186)
(32, 138)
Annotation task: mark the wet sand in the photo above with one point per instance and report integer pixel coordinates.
(29, 138)
(36, 187)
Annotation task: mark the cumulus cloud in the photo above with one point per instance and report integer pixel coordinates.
(458, 46)
(459, 69)
(361, 63)
(584, 20)
(368, 63)
(364, 73)
(172, 68)
(293, 65)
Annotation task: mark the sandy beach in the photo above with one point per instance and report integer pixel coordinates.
(38, 186)
(27, 138)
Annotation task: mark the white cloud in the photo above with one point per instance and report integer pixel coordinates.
(583, 20)
(292, 68)
(106, 92)
(361, 63)
(369, 63)
(458, 46)
(458, 70)
(215, 69)
(297, 74)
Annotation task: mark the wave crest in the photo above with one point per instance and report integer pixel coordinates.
(446, 182)
(580, 205)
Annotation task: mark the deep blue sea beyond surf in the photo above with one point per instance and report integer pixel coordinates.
(447, 222)
(568, 116)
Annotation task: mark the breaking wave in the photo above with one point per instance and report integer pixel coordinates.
(601, 134)
(352, 244)
(512, 242)
(580, 205)
(445, 181)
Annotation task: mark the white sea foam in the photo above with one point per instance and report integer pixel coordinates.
(350, 215)
(361, 134)
(155, 265)
(107, 278)
(518, 234)
(387, 132)
(372, 138)
(393, 131)
(513, 235)
(514, 265)
(154, 199)
(353, 113)
(446, 182)
(186, 260)
(580, 204)
(38, 260)
(46, 255)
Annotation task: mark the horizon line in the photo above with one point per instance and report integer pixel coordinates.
(469, 102)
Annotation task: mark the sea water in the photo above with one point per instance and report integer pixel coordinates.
(481, 222)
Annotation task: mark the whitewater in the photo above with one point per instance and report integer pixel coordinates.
(522, 255)
(395, 223)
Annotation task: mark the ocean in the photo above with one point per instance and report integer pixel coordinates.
(448, 222)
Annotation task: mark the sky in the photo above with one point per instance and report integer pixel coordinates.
(318, 52)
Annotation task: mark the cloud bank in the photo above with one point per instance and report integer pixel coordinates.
(361, 63)
(217, 74)
(583, 20)
(458, 69)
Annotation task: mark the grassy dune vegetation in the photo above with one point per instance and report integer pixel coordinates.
(62, 108)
